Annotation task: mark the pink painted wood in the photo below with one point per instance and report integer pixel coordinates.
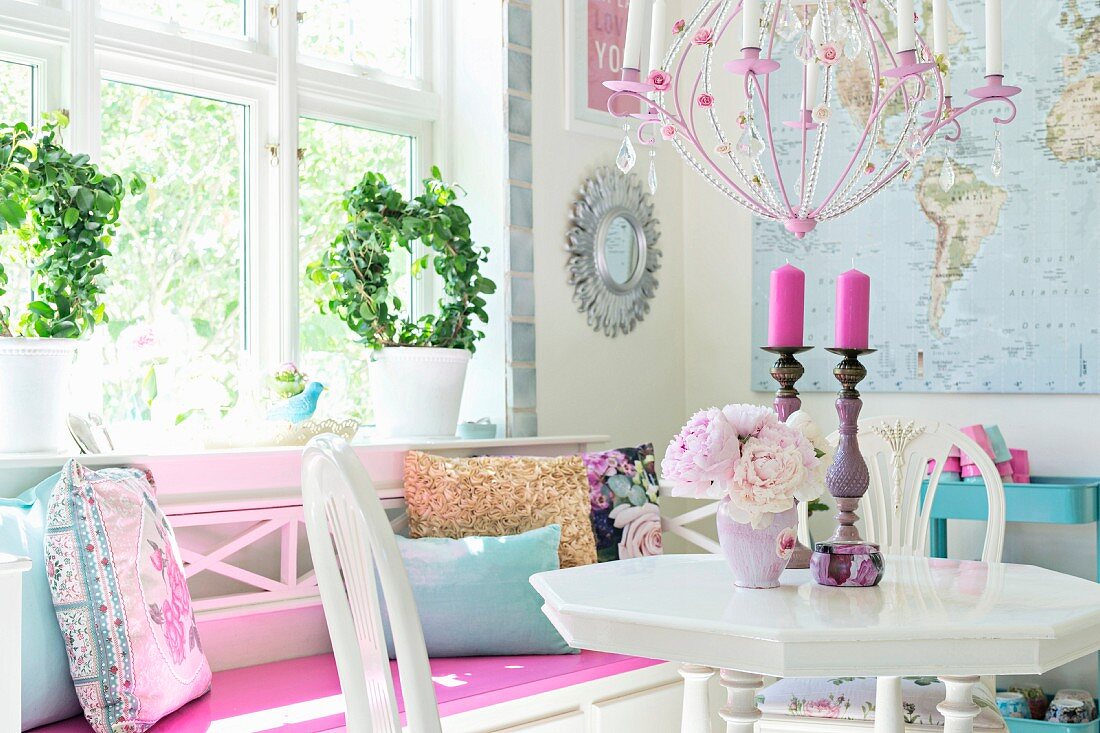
(303, 695)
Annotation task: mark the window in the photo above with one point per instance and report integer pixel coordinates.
(16, 105)
(16, 92)
(367, 33)
(176, 293)
(337, 157)
(203, 290)
(214, 16)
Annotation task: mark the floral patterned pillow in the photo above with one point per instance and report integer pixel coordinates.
(121, 599)
(622, 489)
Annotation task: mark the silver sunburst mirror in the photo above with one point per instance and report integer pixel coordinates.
(613, 252)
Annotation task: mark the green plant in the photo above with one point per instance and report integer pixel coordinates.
(63, 210)
(355, 270)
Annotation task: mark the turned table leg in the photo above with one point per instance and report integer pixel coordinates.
(740, 711)
(888, 712)
(958, 709)
(696, 712)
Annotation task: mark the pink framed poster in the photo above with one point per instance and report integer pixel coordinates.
(594, 34)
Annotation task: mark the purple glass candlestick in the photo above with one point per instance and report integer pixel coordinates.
(786, 371)
(845, 559)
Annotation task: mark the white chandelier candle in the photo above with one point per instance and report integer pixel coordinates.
(739, 124)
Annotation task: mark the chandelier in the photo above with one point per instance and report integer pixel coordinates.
(749, 105)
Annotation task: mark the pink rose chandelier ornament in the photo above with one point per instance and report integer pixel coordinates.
(711, 95)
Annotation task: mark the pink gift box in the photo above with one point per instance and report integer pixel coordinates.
(1021, 466)
(1005, 469)
(978, 435)
(950, 465)
(969, 470)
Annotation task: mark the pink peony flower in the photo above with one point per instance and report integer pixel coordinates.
(705, 100)
(659, 80)
(703, 37)
(765, 480)
(823, 708)
(828, 53)
(641, 526)
(785, 542)
(704, 452)
(668, 132)
(748, 419)
(678, 26)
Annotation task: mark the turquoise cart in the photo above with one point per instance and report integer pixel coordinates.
(1047, 499)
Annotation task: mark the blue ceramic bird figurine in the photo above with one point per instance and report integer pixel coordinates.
(300, 407)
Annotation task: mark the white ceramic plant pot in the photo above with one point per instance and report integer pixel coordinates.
(417, 390)
(34, 393)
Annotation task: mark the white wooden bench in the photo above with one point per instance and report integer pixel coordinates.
(237, 516)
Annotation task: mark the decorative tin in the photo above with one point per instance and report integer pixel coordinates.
(1036, 700)
(1013, 705)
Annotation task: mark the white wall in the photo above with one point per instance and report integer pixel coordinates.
(630, 387)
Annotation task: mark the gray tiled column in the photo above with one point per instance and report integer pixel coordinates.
(520, 283)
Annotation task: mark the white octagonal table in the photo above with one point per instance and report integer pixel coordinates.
(956, 620)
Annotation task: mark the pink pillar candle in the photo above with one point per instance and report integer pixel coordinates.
(786, 306)
(853, 310)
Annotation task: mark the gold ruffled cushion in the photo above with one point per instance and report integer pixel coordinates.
(495, 496)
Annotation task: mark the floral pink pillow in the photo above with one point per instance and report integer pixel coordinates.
(623, 495)
(121, 599)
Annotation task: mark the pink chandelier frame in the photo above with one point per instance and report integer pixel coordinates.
(912, 78)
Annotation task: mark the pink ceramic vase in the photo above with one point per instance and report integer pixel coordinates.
(757, 556)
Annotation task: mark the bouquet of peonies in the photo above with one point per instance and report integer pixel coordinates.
(745, 452)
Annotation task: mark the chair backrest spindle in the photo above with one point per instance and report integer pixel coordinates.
(352, 544)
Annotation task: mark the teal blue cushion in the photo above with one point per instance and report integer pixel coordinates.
(48, 693)
(474, 595)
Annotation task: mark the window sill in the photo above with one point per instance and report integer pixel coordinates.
(220, 480)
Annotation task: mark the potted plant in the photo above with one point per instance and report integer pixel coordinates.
(57, 214)
(418, 365)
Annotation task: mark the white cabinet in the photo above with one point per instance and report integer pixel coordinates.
(656, 709)
(11, 612)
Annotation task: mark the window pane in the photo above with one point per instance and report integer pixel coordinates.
(215, 16)
(375, 33)
(175, 294)
(337, 156)
(16, 105)
(16, 92)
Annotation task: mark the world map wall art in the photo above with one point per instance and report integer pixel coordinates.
(990, 281)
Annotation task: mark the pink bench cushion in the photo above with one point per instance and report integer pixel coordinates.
(303, 695)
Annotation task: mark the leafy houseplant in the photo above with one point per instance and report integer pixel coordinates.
(357, 278)
(63, 210)
(59, 212)
(356, 268)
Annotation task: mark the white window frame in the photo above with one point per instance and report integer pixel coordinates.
(247, 69)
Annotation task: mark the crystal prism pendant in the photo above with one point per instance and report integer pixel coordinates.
(914, 147)
(787, 25)
(998, 155)
(626, 158)
(751, 144)
(653, 172)
(853, 42)
(806, 50)
(947, 174)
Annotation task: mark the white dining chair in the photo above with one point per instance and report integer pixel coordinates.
(894, 516)
(352, 543)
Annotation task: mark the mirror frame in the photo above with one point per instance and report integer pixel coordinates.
(611, 307)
